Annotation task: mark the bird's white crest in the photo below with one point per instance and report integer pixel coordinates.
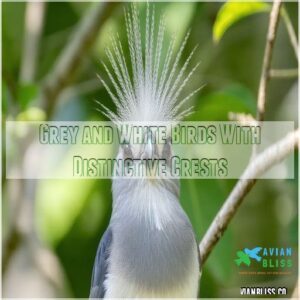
(150, 87)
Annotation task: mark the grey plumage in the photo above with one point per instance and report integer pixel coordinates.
(100, 265)
(153, 252)
(157, 238)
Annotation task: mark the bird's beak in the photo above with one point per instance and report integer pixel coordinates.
(150, 148)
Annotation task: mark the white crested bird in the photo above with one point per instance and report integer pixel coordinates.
(149, 248)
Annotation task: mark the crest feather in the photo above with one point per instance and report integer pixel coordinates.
(153, 92)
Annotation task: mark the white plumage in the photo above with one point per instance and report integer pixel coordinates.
(151, 89)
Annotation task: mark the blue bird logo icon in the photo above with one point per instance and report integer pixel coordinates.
(253, 253)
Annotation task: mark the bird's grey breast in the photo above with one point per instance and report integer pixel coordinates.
(151, 256)
(154, 251)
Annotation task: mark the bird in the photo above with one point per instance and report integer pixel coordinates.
(242, 258)
(149, 248)
(253, 253)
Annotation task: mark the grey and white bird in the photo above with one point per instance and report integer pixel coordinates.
(149, 248)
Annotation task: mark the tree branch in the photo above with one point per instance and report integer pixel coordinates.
(34, 17)
(9, 247)
(273, 24)
(74, 51)
(283, 73)
(291, 32)
(260, 164)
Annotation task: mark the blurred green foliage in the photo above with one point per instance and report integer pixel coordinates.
(232, 11)
(71, 215)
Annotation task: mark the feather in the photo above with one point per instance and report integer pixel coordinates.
(101, 266)
(153, 92)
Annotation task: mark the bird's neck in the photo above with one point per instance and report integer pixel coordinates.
(147, 203)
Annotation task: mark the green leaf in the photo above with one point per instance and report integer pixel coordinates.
(32, 114)
(231, 12)
(12, 36)
(26, 94)
(216, 106)
(5, 97)
(59, 203)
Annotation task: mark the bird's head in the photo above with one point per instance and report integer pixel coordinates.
(151, 185)
(147, 153)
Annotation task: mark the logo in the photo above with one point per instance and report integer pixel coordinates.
(245, 256)
(266, 260)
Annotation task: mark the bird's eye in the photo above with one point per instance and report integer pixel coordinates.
(167, 150)
(127, 153)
